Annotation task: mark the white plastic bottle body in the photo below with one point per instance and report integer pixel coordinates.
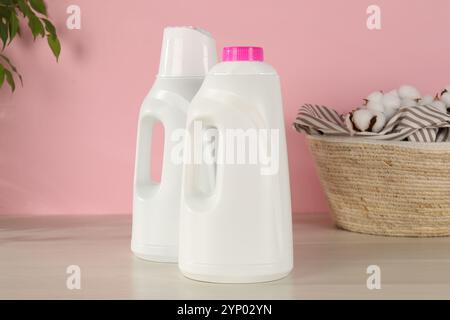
(156, 205)
(241, 231)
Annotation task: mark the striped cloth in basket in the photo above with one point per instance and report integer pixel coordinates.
(418, 124)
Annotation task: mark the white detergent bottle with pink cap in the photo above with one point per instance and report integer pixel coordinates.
(237, 227)
(186, 56)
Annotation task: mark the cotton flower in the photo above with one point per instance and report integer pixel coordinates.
(408, 103)
(425, 100)
(376, 96)
(375, 106)
(385, 103)
(445, 96)
(365, 120)
(380, 107)
(409, 92)
(380, 121)
(389, 112)
(391, 100)
(374, 101)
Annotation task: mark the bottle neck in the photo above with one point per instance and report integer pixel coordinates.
(243, 68)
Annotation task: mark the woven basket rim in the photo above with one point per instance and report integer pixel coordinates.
(362, 140)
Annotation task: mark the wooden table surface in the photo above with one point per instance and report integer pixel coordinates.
(329, 263)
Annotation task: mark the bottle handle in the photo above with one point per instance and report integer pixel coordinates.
(145, 186)
(210, 176)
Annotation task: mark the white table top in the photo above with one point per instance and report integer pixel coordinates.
(329, 263)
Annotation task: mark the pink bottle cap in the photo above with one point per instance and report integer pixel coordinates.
(242, 54)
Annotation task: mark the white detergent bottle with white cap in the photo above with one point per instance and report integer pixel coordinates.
(236, 228)
(186, 56)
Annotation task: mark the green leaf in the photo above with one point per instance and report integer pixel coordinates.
(8, 61)
(39, 6)
(13, 68)
(7, 2)
(10, 80)
(3, 33)
(13, 26)
(54, 44)
(4, 12)
(2, 75)
(23, 7)
(36, 26)
(49, 27)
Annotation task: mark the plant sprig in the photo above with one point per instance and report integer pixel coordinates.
(35, 12)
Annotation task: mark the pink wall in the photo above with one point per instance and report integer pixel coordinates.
(67, 137)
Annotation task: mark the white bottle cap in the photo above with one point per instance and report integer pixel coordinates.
(187, 52)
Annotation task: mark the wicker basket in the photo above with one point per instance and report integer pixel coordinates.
(386, 188)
